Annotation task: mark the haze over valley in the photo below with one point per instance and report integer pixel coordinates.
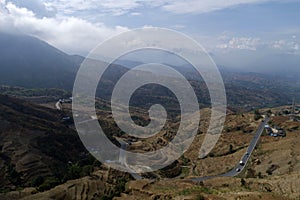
(175, 137)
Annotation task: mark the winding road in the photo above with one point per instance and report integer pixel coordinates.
(234, 172)
(240, 167)
(58, 105)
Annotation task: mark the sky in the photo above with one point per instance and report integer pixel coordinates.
(228, 29)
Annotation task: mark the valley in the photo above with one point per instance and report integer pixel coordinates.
(42, 156)
(263, 175)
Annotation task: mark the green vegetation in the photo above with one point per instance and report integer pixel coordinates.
(74, 171)
(41, 133)
(48, 183)
(271, 169)
(200, 197)
(185, 161)
(243, 182)
(259, 175)
(13, 175)
(36, 182)
(120, 187)
(231, 149)
(185, 171)
(50, 92)
(257, 115)
(116, 191)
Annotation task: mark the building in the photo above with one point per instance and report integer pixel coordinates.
(275, 131)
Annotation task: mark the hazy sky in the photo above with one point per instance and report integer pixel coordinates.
(221, 26)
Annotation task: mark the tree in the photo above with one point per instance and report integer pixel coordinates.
(200, 197)
(49, 183)
(37, 181)
(257, 115)
(260, 175)
(243, 182)
(230, 148)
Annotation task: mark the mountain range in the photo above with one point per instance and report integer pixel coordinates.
(29, 62)
(42, 157)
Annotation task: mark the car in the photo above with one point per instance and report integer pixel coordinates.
(238, 170)
(242, 163)
(247, 153)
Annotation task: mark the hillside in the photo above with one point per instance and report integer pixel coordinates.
(29, 62)
(44, 66)
(36, 148)
(272, 172)
(149, 100)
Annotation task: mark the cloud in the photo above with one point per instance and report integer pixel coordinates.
(244, 43)
(111, 7)
(288, 45)
(37, 6)
(55, 22)
(135, 13)
(204, 6)
(71, 34)
(121, 7)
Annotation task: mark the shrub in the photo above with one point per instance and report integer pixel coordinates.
(243, 182)
(259, 175)
(14, 176)
(37, 181)
(200, 197)
(49, 183)
(257, 115)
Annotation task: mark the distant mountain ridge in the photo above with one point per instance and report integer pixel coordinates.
(29, 62)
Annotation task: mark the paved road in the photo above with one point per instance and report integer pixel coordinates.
(58, 105)
(235, 171)
(239, 168)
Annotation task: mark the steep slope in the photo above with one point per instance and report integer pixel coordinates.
(29, 62)
(35, 147)
(253, 183)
